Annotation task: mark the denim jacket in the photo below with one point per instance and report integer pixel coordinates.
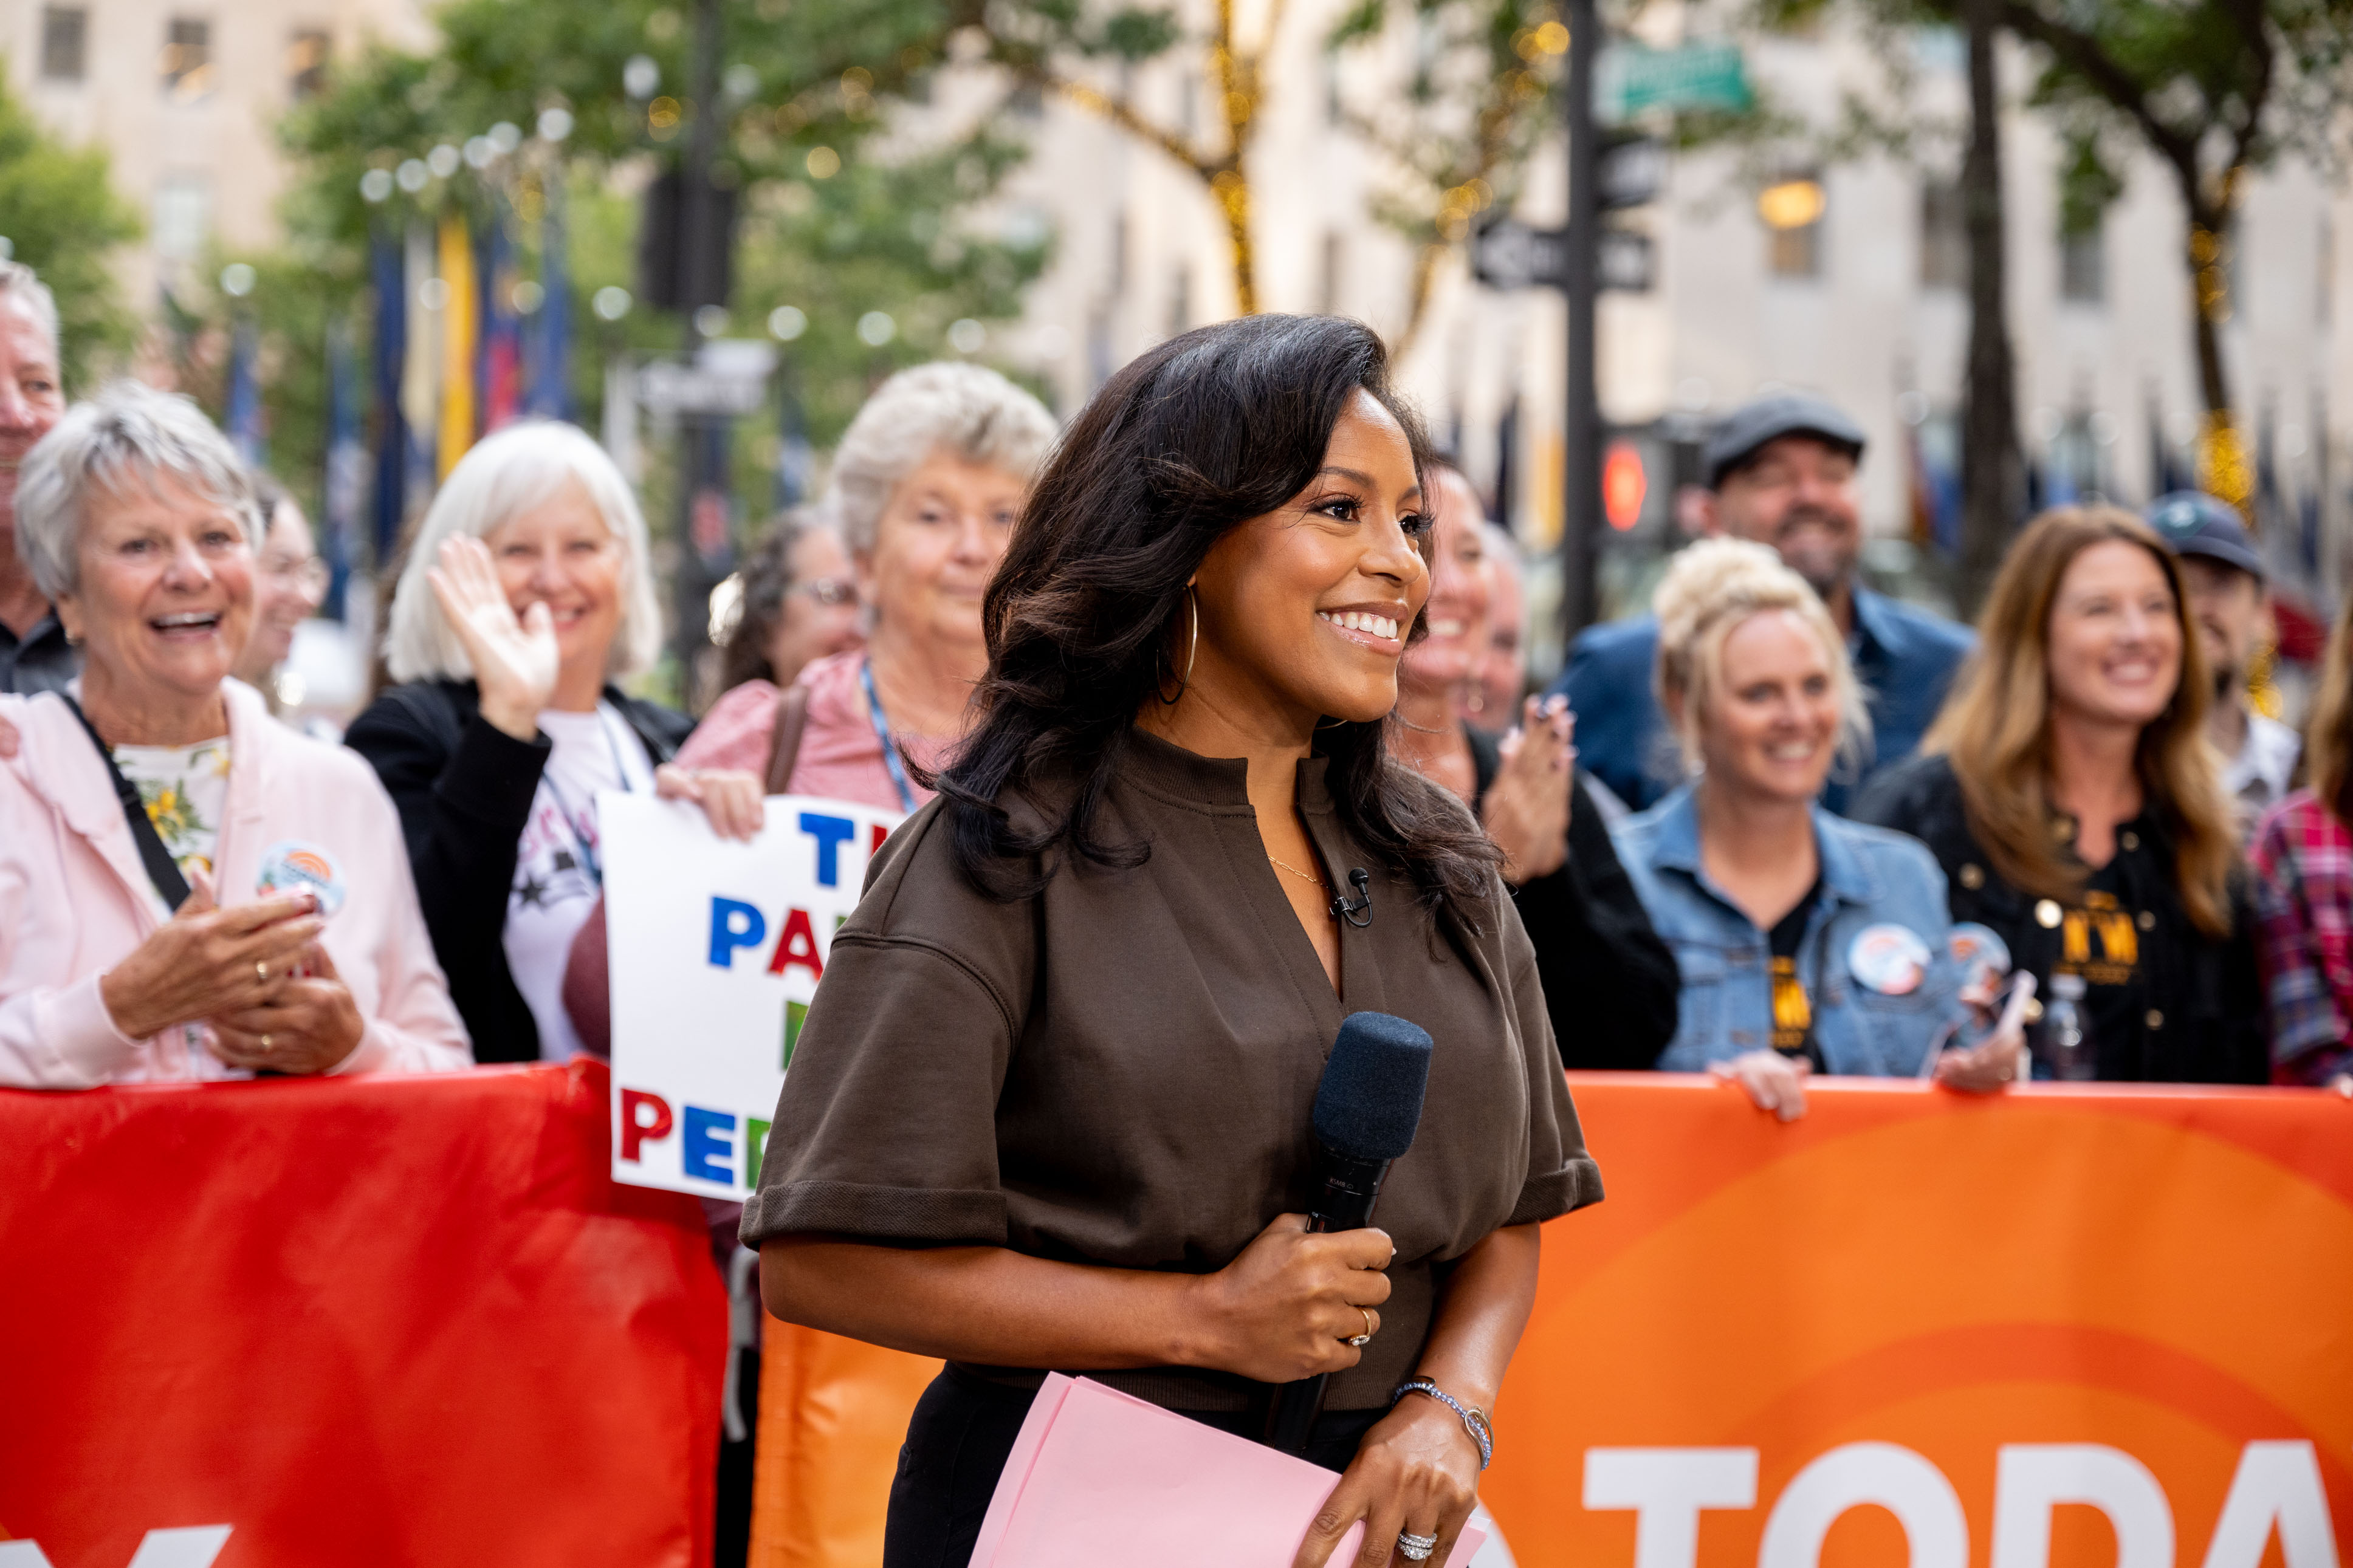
(1871, 878)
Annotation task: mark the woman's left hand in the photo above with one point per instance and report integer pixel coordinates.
(1417, 1471)
(309, 1026)
(1526, 809)
(1986, 1067)
(729, 797)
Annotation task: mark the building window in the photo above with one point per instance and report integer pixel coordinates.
(306, 63)
(1328, 292)
(65, 42)
(2083, 266)
(187, 63)
(1792, 210)
(1944, 236)
(1181, 301)
(183, 216)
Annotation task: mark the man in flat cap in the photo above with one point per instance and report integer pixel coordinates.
(1780, 471)
(2232, 607)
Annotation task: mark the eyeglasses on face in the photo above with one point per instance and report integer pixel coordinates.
(830, 592)
(307, 573)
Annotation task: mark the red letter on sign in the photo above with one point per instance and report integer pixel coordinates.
(637, 1128)
(797, 945)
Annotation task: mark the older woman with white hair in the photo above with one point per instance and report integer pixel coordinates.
(188, 890)
(528, 592)
(1806, 942)
(927, 482)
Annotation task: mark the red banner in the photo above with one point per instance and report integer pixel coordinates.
(400, 1321)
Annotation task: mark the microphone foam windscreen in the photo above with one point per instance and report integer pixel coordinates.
(1368, 1104)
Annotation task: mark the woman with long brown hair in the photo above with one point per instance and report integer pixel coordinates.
(2068, 790)
(2303, 891)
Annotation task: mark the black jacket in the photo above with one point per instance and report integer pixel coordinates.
(1609, 982)
(464, 788)
(2191, 1011)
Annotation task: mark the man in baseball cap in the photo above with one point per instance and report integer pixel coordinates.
(1780, 471)
(2223, 573)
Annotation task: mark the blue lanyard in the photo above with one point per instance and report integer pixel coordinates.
(883, 734)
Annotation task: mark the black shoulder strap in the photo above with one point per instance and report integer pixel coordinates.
(161, 869)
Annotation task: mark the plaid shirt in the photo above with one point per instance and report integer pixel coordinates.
(2304, 908)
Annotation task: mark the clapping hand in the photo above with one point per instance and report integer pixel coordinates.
(1526, 809)
(309, 1025)
(514, 657)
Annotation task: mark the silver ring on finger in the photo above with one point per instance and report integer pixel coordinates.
(1415, 1548)
(1361, 1341)
(267, 1046)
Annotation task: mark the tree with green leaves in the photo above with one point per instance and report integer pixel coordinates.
(2215, 91)
(1459, 128)
(59, 215)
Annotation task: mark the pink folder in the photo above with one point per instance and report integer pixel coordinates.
(1098, 1476)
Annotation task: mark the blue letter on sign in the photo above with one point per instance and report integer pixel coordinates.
(830, 833)
(709, 1137)
(734, 924)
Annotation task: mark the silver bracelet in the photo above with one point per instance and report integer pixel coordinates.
(1474, 1420)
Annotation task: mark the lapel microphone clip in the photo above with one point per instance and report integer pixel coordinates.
(1357, 912)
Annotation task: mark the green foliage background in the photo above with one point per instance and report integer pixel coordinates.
(61, 217)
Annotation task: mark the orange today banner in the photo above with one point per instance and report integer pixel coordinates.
(2063, 1328)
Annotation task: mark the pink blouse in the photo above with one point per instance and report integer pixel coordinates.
(841, 759)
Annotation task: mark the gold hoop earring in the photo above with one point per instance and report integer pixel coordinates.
(1192, 648)
(1192, 651)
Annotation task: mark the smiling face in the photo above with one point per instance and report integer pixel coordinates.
(560, 553)
(936, 545)
(289, 585)
(164, 600)
(1303, 611)
(1770, 725)
(1799, 495)
(2229, 608)
(2116, 636)
(32, 399)
(1462, 587)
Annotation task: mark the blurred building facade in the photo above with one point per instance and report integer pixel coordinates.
(185, 96)
(1865, 300)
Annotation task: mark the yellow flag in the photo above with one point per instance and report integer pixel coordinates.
(459, 331)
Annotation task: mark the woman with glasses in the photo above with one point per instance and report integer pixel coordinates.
(290, 585)
(926, 483)
(797, 604)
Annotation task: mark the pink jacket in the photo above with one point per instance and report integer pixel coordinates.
(74, 899)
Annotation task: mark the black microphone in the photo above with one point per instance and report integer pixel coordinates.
(1347, 909)
(1367, 1108)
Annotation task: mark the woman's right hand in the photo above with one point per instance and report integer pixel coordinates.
(207, 959)
(1284, 1308)
(1775, 1082)
(514, 657)
(1526, 809)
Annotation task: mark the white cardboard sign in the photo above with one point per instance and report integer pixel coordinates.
(716, 948)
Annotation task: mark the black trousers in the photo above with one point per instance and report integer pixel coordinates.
(956, 1446)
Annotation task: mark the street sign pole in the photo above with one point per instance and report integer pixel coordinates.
(1580, 468)
(703, 541)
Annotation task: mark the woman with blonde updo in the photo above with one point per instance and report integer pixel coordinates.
(1806, 942)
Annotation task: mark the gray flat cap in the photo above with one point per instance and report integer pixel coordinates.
(1769, 418)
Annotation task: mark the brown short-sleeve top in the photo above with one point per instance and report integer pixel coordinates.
(1120, 1068)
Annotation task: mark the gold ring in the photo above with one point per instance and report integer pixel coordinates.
(265, 1044)
(261, 971)
(1361, 1341)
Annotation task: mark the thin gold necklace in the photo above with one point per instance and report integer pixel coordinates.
(1295, 870)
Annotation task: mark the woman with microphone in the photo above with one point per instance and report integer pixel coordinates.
(1050, 1109)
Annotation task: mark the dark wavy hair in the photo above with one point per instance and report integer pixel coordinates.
(1201, 434)
(767, 580)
